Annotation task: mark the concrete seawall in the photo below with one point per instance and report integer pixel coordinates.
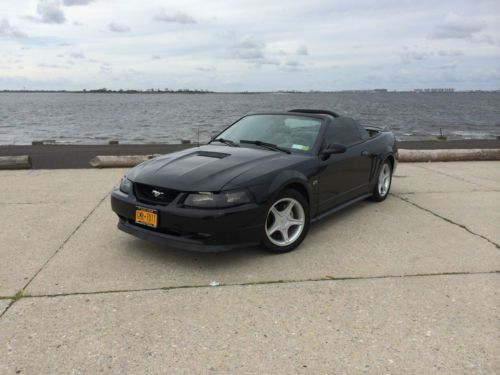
(405, 156)
(79, 156)
(15, 162)
(448, 155)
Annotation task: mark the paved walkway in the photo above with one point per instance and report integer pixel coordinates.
(411, 285)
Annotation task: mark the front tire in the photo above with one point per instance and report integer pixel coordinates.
(287, 222)
(383, 185)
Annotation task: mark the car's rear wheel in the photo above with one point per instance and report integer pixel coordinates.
(383, 185)
(287, 222)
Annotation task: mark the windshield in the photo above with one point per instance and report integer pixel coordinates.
(294, 133)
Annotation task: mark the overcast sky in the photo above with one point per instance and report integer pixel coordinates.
(251, 45)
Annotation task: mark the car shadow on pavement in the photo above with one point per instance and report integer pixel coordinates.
(192, 260)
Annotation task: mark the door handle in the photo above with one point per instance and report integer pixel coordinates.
(365, 153)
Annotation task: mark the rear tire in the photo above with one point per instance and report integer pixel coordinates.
(287, 222)
(384, 181)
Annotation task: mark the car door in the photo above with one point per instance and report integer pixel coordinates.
(346, 175)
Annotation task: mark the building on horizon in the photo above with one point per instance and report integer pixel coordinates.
(435, 90)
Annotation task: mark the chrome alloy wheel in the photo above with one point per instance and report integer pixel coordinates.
(384, 180)
(285, 222)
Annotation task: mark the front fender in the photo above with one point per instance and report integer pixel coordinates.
(266, 193)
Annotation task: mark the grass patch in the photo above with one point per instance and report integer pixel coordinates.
(18, 295)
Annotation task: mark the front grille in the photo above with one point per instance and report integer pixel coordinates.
(146, 194)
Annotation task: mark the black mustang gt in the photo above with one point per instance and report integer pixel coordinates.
(262, 180)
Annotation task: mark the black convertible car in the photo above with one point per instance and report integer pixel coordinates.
(262, 180)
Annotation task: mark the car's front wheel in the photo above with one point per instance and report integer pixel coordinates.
(287, 222)
(381, 190)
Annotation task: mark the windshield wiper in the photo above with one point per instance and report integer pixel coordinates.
(270, 146)
(226, 142)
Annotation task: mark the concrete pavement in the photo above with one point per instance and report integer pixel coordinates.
(410, 285)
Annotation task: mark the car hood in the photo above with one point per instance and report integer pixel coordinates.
(206, 168)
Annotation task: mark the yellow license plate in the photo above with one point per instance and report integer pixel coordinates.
(146, 216)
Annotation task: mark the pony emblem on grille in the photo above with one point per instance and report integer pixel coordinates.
(157, 193)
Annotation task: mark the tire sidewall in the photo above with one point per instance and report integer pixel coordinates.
(287, 193)
(376, 195)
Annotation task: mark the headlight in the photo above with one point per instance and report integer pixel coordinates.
(217, 200)
(126, 185)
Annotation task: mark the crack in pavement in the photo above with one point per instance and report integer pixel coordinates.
(446, 219)
(21, 291)
(446, 192)
(256, 283)
(455, 177)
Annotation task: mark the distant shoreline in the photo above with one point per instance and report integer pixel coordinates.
(78, 156)
(190, 91)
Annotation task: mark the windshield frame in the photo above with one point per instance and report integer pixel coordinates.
(317, 143)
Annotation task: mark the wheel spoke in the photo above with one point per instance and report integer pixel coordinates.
(287, 212)
(274, 228)
(276, 213)
(284, 233)
(293, 222)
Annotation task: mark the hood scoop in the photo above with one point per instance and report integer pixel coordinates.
(211, 154)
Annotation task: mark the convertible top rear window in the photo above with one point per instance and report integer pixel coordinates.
(345, 131)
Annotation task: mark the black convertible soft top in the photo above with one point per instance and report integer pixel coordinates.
(316, 111)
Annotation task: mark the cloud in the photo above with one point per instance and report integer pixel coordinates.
(206, 69)
(291, 65)
(302, 50)
(486, 39)
(118, 28)
(450, 53)
(457, 27)
(77, 55)
(177, 17)
(252, 52)
(447, 66)
(49, 11)
(414, 54)
(6, 29)
(106, 67)
(51, 66)
(248, 49)
(76, 2)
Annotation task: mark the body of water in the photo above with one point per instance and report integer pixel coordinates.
(168, 118)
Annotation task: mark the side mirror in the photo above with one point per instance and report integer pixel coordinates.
(334, 148)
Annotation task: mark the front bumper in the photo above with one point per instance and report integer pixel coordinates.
(206, 230)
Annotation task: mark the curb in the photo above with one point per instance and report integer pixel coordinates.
(15, 162)
(405, 156)
(448, 155)
(119, 161)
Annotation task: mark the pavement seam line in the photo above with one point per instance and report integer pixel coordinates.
(21, 291)
(43, 202)
(452, 176)
(446, 219)
(447, 192)
(257, 283)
